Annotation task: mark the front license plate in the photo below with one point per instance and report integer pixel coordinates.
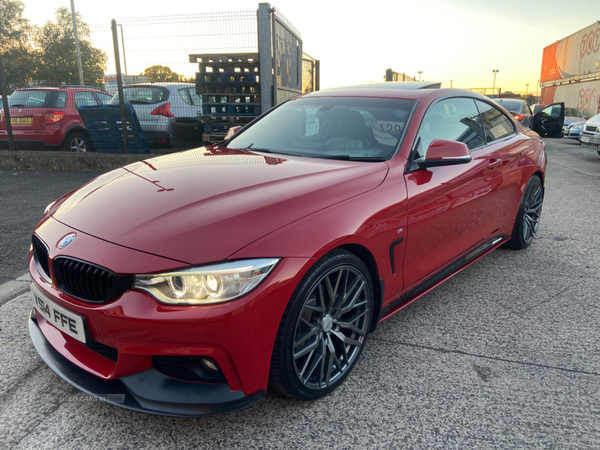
(20, 120)
(585, 139)
(63, 319)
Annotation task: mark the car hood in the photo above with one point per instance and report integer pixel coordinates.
(571, 119)
(205, 204)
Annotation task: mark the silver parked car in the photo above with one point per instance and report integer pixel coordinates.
(590, 135)
(573, 129)
(158, 104)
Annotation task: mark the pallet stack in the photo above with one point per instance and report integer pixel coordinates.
(230, 88)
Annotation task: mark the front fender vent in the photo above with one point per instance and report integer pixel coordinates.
(89, 282)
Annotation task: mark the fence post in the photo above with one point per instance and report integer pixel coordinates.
(11, 143)
(120, 85)
(265, 57)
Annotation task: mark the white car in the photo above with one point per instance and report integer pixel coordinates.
(158, 104)
(590, 135)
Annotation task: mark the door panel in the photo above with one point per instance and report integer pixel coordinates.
(451, 209)
(549, 121)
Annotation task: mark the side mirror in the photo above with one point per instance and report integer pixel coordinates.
(232, 131)
(442, 152)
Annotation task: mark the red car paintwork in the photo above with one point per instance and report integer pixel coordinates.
(214, 204)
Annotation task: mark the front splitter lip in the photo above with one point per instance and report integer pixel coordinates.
(149, 391)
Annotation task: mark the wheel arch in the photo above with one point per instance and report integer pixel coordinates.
(369, 260)
(76, 129)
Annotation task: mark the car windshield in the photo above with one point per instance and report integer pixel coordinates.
(573, 112)
(514, 106)
(353, 128)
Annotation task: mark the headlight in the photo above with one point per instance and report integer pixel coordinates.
(207, 284)
(49, 206)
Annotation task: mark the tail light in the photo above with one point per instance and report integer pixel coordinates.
(519, 117)
(163, 110)
(53, 116)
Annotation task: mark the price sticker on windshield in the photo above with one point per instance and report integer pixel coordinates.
(387, 132)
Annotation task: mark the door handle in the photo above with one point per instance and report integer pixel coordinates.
(494, 163)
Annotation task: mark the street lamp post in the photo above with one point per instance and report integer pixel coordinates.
(494, 85)
(420, 72)
(451, 83)
(526, 90)
(77, 42)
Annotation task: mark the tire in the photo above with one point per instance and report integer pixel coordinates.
(319, 341)
(186, 132)
(77, 142)
(528, 217)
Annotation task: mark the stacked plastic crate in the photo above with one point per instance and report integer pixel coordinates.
(230, 88)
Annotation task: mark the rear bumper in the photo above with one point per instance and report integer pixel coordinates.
(149, 391)
(49, 137)
(23, 144)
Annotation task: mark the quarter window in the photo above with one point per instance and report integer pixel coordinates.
(495, 124)
(454, 119)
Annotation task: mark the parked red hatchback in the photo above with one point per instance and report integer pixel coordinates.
(48, 117)
(188, 283)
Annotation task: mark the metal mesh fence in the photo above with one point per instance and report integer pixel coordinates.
(168, 40)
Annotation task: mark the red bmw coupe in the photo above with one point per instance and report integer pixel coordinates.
(189, 283)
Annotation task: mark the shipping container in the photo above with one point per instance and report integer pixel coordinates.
(571, 71)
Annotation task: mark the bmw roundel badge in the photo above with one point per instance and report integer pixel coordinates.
(66, 240)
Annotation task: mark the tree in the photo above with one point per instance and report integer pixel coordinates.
(17, 53)
(58, 56)
(160, 73)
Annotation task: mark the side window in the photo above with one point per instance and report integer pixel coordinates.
(84, 98)
(104, 98)
(455, 119)
(495, 124)
(61, 100)
(183, 93)
(189, 96)
(196, 99)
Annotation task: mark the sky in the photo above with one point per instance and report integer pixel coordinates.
(458, 40)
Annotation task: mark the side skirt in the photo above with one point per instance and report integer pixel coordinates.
(449, 271)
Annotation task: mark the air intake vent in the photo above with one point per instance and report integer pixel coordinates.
(40, 256)
(103, 350)
(89, 282)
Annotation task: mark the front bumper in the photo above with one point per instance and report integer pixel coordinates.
(570, 133)
(148, 391)
(590, 140)
(128, 334)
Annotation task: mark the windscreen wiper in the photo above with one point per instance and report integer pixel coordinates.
(255, 149)
(354, 158)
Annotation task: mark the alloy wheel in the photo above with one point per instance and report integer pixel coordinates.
(332, 327)
(78, 144)
(532, 212)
